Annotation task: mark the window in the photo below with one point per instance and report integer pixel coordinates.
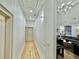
(68, 30)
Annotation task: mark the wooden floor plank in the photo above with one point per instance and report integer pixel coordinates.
(68, 55)
(30, 51)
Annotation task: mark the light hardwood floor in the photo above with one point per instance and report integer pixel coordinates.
(30, 51)
(68, 55)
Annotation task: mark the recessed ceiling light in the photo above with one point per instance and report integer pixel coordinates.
(31, 11)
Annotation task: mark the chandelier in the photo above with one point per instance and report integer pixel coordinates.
(64, 7)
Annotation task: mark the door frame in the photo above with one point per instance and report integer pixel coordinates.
(26, 34)
(9, 17)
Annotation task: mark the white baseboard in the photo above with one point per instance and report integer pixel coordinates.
(21, 52)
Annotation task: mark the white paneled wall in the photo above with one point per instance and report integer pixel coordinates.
(45, 31)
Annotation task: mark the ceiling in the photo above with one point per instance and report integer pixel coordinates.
(72, 15)
(31, 8)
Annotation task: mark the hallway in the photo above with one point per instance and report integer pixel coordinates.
(30, 51)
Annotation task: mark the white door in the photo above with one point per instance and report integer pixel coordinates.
(29, 34)
(5, 41)
(6, 33)
(2, 36)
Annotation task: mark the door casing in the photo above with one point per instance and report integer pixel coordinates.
(8, 30)
(27, 34)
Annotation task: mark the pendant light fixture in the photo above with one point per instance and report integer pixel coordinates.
(66, 6)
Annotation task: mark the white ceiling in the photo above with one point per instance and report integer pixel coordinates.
(34, 5)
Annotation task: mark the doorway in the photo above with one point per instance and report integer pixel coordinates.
(6, 33)
(29, 34)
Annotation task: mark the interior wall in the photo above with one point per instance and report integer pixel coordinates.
(39, 37)
(45, 31)
(18, 25)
